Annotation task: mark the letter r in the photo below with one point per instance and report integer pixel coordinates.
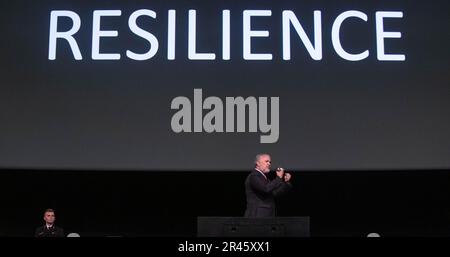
(67, 35)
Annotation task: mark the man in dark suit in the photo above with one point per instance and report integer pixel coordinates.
(261, 191)
(49, 229)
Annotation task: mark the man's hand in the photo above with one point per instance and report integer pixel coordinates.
(287, 177)
(280, 172)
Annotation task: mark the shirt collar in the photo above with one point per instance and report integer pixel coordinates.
(261, 173)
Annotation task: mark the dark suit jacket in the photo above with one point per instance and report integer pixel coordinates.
(54, 231)
(261, 193)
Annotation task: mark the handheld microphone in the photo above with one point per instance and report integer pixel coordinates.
(280, 169)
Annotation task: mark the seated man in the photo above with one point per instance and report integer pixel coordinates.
(261, 192)
(49, 229)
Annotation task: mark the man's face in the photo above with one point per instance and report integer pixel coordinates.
(49, 217)
(264, 163)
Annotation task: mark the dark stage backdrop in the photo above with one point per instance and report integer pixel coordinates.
(347, 203)
(334, 114)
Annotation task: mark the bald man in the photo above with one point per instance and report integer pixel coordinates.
(261, 192)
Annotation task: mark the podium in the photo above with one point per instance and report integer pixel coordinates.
(253, 227)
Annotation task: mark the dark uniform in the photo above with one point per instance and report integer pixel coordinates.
(52, 231)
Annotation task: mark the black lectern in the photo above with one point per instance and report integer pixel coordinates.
(253, 227)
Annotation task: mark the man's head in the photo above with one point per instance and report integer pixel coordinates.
(49, 216)
(263, 162)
